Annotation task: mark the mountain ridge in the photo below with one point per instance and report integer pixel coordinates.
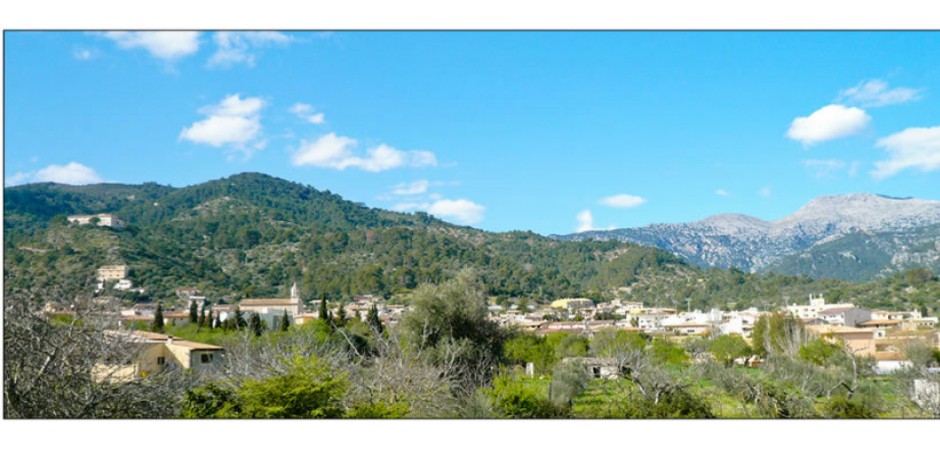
(750, 243)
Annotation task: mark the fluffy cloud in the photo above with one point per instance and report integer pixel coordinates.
(829, 122)
(875, 93)
(237, 47)
(305, 112)
(234, 122)
(461, 210)
(623, 201)
(913, 148)
(166, 45)
(764, 191)
(413, 188)
(336, 152)
(824, 167)
(722, 193)
(83, 54)
(71, 173)
(585, 221)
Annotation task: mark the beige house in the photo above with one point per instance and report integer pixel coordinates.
(107, 273)
(275, 306)
(157, 352)
(859, 341)
(104, 220)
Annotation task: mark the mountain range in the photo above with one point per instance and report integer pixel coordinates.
(853, 236)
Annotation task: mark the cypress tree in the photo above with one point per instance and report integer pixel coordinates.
(218, 322)
(202, 317)
(323, 312)
(193, 313)
(373, 319)
(285, 322)
(341, 315)
(256, 326)
(239, 319)
(157, 325)
(209, 322)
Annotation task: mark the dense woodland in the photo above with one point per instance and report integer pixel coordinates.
(251, 235)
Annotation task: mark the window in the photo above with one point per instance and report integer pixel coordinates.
(161, 360)
(205, 358)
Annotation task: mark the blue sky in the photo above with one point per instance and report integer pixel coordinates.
(544, 131)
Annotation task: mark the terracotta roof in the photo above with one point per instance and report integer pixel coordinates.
(836, 310)
(196, 345)
(686, 325)
(876, 322)
(268, 302)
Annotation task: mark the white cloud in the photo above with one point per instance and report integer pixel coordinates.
(827, 123)
(305, 112)
(585, 221)
(413, 188)
(823, 168)
(166, 45)
(623, 201)
(875, 93)
(764, 191)
(722, 193)
(913, 148)
(237, 47)
(462, 211)
(234, 122)
(71, 173)
(83, 54)
(336, 152)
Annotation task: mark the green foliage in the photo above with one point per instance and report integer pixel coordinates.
(608, 341)
(818, 351)
(308, 390)
(773, 333)
(513, 398)
(374, 321)
(194, 313)
(379, 410)
(569, 345)
(525, 348)
(210, 401)
(664, 351)
(842, 407)
(568, 381)
(728, 347)
(255, 324)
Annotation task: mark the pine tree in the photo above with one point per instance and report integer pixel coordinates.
(157, 325)
(373, 319)
(285, 322)
(256, 325)
(193, 312)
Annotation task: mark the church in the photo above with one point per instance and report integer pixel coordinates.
(275, 306)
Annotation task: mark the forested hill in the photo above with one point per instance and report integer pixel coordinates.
(252, 235)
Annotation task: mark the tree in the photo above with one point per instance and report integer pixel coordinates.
(285, 322)
(218, 322)
(341, 319)
(209, 322)
(322, 311)
(256, 325)
(373, 319)
(451, 321)
(194, 313)
(202, 318)
(239, 319)
(727, 348)
(158, 325)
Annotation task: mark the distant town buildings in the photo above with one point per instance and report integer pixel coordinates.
(155, 353)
